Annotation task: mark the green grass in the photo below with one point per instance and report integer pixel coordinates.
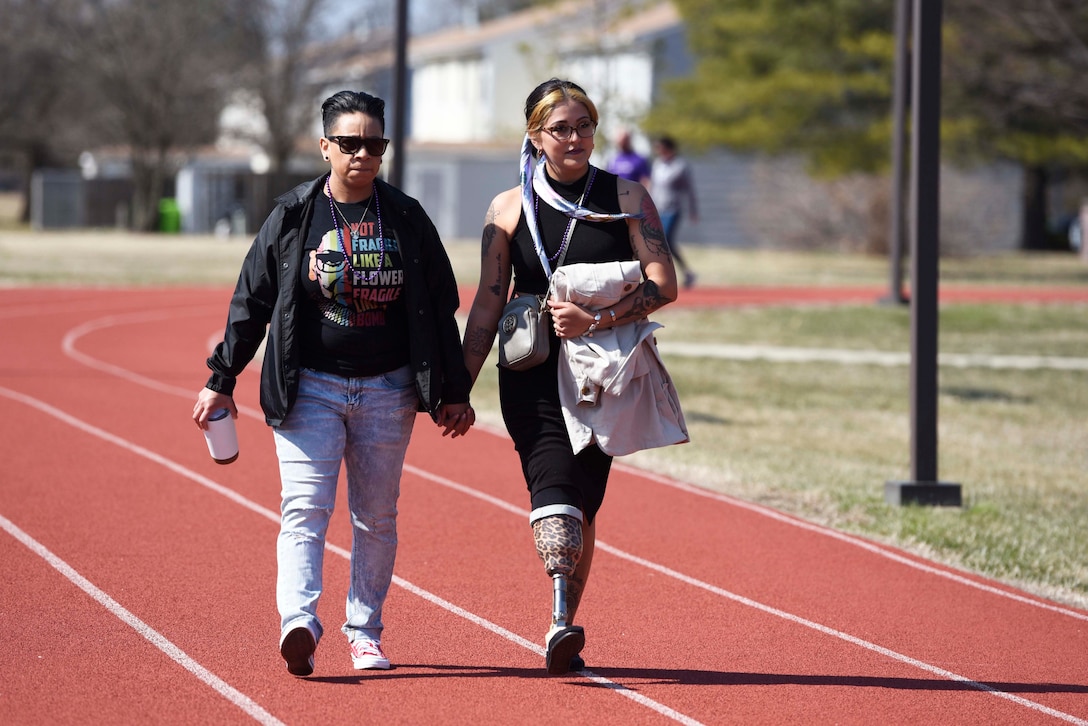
(816, 440)
(963, 328)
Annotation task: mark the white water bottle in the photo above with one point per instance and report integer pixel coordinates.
(221, 437)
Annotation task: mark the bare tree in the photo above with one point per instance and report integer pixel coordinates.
(35, 89)
(160, 70)
(1017, 70)
(282, 30)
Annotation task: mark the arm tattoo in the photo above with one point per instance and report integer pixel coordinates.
(490, 229)
(496, 289)
(650, 227)
(478, 341)
(647, 299)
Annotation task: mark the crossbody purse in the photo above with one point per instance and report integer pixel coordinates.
(523, 328)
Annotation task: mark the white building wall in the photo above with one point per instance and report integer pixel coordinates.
(448, 102)
(621, 86)
(513, 79)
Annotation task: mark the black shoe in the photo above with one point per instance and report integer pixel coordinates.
(297, 649)
(563, 647)
(577, 665)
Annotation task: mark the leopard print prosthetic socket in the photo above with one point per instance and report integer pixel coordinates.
(559, 545)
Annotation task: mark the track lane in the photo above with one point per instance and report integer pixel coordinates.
(688, 536)
(778, 681)
(189, 581)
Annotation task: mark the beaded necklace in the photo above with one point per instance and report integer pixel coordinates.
(570, 223)
(536, 182)
(333, 208)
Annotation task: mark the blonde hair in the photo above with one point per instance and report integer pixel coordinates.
(549, 94)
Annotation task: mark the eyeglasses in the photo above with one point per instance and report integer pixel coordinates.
(561, 132)
(350, 145)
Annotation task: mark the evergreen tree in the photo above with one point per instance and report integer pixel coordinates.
(815, 79)
(780, 76)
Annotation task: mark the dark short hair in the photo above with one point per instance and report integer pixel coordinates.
(668, 142)
(345, 102)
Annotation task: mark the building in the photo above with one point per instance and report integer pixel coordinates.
(465, 122)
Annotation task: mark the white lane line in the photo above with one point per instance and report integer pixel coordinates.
(866, 545)
(275, 517)
(68, 345)
(175, 653)
(770, 610)
(69, 348)
(886, 652)
(785, 354)
(874, 548)
(805, 525)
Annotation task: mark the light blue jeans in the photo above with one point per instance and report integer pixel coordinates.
(366, 423)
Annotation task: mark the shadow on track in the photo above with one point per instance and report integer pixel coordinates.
(634, 677)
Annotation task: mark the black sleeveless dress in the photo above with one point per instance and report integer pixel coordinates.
(530, 399)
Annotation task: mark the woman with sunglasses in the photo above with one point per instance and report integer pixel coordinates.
(351, 280)
(565, 211)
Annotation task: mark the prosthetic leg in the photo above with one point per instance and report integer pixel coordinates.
(558, 540)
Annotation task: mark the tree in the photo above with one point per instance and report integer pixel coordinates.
(160, 70)
(1016, 75)
(280, 31)
(814, 79)
(780, 76)
(34, 87)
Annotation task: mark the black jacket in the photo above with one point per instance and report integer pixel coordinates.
(267, 296)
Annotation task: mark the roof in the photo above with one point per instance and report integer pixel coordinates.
(459, 41)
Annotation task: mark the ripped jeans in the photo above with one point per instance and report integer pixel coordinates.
(366, 424)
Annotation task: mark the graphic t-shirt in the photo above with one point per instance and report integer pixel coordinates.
(354, 322)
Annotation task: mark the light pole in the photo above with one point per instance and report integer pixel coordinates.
(925, 254)
(400, 90)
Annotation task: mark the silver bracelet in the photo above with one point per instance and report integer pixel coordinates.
(613, 314)
(593, 325)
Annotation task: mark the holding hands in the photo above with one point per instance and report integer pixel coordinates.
(456, 418)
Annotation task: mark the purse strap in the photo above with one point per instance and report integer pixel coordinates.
(559, 262)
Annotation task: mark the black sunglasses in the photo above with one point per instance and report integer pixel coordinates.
(351, 144)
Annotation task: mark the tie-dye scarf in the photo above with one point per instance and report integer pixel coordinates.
(538, 181)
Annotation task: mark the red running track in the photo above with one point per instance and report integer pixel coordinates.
(139, 577)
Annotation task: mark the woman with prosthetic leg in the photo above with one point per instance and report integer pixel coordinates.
(565, 211)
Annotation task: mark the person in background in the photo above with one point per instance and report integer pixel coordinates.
(605, 218)
(627, 162)
(673, 189)
(351, 280)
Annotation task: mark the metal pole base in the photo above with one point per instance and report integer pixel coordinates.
(926, 493)
(891, 299)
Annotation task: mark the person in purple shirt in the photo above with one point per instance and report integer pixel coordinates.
(628, 163)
